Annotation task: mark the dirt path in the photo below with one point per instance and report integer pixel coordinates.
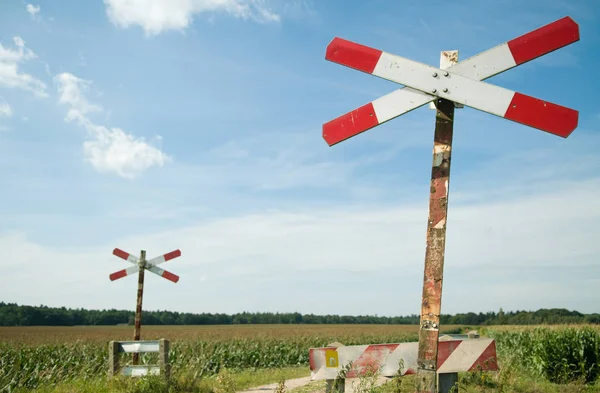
(305, 385)
(289, 385)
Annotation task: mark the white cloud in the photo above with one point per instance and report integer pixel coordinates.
(5, 109)
(505, 233)
(113, 150)
(72, 92)
(109, 149)
(47, 68)
(157, 16)
(10, 76)
(33, 9)
(353, 253)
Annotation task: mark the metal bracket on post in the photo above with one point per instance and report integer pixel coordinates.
(161, 347)
(448, 58)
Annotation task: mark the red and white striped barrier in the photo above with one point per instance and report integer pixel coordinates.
(453, 356)
(460, 83)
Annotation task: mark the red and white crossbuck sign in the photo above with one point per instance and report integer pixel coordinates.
(150, 265)
(461, 83)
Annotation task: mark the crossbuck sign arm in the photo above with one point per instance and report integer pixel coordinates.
(462, 81)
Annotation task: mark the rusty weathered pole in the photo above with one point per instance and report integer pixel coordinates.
(138, 308)
(434, 254)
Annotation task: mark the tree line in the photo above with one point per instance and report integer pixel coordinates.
(12, 314)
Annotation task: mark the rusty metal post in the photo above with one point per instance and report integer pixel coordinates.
(138, 308)
(434, 254)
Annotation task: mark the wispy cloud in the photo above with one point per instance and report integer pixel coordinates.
(11, 77)
(276, 161)
(299, 9)
(47, 68)
(296, 246)
(71, 90)
(168, 15)
(5, 109)
(109, 149)
(426, 26)
(33, 10)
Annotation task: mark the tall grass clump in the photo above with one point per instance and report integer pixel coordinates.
(30, 367)
(559, 355)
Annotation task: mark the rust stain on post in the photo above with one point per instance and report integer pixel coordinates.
(434, 254)
(451, 56)
(138, 308)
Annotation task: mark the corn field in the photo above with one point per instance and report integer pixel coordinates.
(28, 359)
(31, 357)
(559, 355)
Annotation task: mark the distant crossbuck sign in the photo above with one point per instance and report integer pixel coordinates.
(150, 265)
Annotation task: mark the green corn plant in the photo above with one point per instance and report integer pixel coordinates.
(559, 355)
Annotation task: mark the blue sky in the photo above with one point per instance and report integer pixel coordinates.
(156, 125)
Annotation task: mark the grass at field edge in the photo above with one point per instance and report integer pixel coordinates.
(509, 379)
(240, 380)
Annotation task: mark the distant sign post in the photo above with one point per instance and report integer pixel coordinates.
(454, 84)
(141, 265)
